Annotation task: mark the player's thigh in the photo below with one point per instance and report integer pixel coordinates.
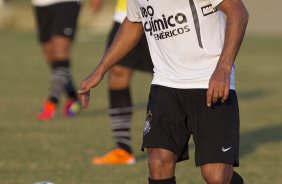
(48, 51)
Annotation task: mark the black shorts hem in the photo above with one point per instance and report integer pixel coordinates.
(200, 163)
(179, 155)
(44, 40)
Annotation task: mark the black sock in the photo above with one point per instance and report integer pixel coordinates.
(71, 91)
(236, 179)
(163, 181)
(54, 99)
(120, 113)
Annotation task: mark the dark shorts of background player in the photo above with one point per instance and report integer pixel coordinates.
(173, 115)
(57, 19)
(138, 58)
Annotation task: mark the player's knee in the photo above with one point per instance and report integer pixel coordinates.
(116, 73)
(119, 71)
(119, 77)
(155, 164)
(160, 163)
(214, 175)
(61, 47)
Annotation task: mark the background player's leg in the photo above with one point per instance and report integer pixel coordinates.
(120, 112)
(62, 47)
(57, 53)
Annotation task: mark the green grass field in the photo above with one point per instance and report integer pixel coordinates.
(60, 151)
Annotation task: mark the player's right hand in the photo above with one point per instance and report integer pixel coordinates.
(84, 97)
(89, 82)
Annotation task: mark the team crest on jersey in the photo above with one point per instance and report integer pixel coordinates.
(147, 126)
(207, 10)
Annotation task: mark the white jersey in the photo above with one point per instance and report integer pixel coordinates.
(185, 39)
(50, 2)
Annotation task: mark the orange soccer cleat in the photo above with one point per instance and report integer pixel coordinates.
(116, 156)
(47, 112)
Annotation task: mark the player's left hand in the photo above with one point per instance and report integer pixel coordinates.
(218, 86)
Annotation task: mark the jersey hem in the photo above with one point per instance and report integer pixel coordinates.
(186, 85)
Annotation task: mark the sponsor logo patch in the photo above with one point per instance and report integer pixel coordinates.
(207, 10)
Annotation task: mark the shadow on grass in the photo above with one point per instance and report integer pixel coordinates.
(252, 139)
(248, 95)
(141, 156)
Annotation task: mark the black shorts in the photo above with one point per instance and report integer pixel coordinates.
(173, 115)
(57, 19)
(138, 58)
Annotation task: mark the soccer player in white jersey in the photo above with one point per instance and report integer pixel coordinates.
(120, 104)
(56, 23)
(193, 45)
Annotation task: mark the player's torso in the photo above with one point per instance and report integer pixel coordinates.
(196, 31)
(192, 20)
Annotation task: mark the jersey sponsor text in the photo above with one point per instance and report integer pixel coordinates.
(161, 28)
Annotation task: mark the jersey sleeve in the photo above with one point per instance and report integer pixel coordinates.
(133, 13)
(215, 2)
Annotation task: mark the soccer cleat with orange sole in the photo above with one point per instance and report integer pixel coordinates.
(47, 112)
(116, 156)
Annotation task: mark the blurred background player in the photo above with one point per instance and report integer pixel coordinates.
(56, 22)
(120, 104)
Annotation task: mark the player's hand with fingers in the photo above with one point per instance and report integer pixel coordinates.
(218, 86)
(89, 82)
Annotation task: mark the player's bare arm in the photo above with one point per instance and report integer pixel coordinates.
(237, 19)
(127, 37)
